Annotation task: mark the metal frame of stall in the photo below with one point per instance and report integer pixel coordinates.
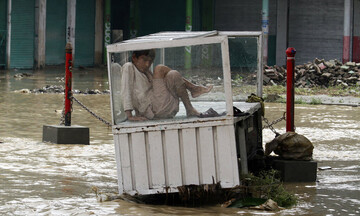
(159, 156)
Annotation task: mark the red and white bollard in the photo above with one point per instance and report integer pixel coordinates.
(67, 134)
(68, 84)
(290, 67)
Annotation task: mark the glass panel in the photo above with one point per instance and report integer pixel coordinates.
(203, 67)
(244, 66)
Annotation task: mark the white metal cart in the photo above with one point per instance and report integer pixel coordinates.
(157, 156)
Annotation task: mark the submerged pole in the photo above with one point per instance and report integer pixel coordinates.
(68, 84)
(290, 66)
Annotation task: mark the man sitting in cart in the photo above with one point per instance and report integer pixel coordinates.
(155, 95)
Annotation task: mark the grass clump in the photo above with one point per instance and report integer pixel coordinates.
(267, 185)
(299, 101)
(315, 101)
(276, 89)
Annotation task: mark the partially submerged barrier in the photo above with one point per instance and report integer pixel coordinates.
(67, 133)
(295, 151)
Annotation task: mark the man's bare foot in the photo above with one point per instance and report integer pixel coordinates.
(192, 113)
(199, 90)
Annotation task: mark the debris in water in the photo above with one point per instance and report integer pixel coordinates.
(269, 205)
(324, 168)
(102, 197)
(245, 202)
(21, 75)
(25, 91)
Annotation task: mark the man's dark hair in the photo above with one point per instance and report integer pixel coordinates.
(150, 53)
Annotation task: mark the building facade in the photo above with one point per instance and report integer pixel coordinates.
(33, 33)
(38, 30)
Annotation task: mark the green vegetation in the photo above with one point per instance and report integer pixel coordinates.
(281, 100)
(315, 101)
(278, 89)
(242, 89)
(278, 94)
(268, 185)
(238, 78)
(299, 101)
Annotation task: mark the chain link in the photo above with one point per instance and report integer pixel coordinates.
(270, 125)
(62, 118)
(91, 112)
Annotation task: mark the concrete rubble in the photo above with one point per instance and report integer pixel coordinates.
(319, 73)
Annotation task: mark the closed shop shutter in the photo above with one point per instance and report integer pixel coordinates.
(22, 34)
(245, 15)
(316, 31)
(233, 15)
(171, 17)
(3, 32)
(55, 32)
(84, 33)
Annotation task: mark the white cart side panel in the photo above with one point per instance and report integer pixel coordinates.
(151, 161)
(125, 168)
(139, 161)
(206, 155)
(242, 148)
(227, 166)
(156, 160)
(118, 164)
(189, 160)
(172, 158)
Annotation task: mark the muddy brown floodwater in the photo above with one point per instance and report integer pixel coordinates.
(39, 178)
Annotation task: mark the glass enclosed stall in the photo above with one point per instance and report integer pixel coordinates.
(160, 154)
(200, 64)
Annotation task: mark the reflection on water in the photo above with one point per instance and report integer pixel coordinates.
(46, 179)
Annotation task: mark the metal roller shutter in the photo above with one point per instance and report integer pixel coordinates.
(85, 33)
(55, 32)
(233, 15)
(245, 15)
(3, 32)
(171, 18)
(22, 34)
(315, 30)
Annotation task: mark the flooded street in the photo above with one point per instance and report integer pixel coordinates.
(39, 178)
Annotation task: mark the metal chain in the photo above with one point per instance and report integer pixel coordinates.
(270, 125)
(91, 112)
(62, 118)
